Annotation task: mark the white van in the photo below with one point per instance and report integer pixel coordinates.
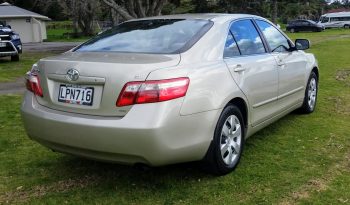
(335, 20)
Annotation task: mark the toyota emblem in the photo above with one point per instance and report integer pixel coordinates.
(72, 75)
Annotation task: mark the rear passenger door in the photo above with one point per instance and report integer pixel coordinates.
(253, 69)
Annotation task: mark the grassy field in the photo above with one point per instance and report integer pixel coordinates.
(59, 35)
(303, 159)
(58, 32)
(9, 71)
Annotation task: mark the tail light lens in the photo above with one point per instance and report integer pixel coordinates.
(33, 82)
(152, 91)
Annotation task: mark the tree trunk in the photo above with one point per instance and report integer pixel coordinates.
(74, 18)
(120, 10)
(130, 9)
(274, 11)
(114, 17)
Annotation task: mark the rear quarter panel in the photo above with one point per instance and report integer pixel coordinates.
(211, 84)
(211, 88)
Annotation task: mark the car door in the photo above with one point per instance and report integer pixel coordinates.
(291, 66)
(304, 25)
(253, 69)
(299, 26)
(333, 23)
(325, 22)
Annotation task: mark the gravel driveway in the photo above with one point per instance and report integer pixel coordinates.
(17, 86)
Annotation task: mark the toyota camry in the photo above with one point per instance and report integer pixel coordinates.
(170, 89)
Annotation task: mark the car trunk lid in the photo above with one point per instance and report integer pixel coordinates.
(101, 74)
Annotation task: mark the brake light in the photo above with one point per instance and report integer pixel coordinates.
(152, 91)
(33, 83)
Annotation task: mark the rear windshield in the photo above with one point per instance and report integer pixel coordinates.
(164, 36)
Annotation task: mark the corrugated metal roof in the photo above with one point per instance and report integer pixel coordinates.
(7, 11)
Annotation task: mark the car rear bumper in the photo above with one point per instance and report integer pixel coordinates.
(154, 134)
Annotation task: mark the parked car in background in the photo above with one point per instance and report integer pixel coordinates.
(304, 25)
(170, 89)
(10, 43)
(336, 20)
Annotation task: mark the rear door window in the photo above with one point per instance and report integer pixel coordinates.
(298, 23)
(248, 39)
(231, 48)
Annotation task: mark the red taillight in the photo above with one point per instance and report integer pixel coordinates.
(33, 83)
(152, 91)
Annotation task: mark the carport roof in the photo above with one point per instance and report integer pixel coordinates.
(9, 11)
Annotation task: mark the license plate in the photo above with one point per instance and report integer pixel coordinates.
(73, 94)
(2, 45)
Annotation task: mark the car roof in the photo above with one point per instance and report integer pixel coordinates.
(337, 14)
(204, 16)
(300, 20)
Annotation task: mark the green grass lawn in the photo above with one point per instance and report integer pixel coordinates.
(57, 32)
(328, 34)
(58, 35)
(9, 71)
(303, 159)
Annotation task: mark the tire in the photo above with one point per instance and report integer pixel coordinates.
(311, 91)
(346, 26)
(292, 30)
(226, 147)
(15, 58)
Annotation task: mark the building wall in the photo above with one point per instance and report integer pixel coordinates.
(43, 30)
(30, 29)
(23, 28)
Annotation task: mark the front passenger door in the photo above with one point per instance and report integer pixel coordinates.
(291, 66)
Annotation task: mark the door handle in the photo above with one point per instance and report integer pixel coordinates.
(238, 68)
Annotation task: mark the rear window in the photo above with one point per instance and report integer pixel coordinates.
(164, 36)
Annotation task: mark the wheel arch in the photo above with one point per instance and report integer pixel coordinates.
(316, 71)
(242, 106)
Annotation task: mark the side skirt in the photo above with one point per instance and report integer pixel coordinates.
(254, 129)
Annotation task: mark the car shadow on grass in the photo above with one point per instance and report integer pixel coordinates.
(6, 60)
(72, 166)
(58, 173)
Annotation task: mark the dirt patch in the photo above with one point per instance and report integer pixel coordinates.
(341, 105)
(21, 194)
(330, 39)
(320, 184)
(344, 76)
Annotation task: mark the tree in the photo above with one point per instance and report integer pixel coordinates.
(200, 6)
(83, 13)
(130, 9)
(274, 11)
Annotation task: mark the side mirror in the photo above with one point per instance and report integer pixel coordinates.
(302, 44)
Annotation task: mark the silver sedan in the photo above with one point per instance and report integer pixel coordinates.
(170, 89)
